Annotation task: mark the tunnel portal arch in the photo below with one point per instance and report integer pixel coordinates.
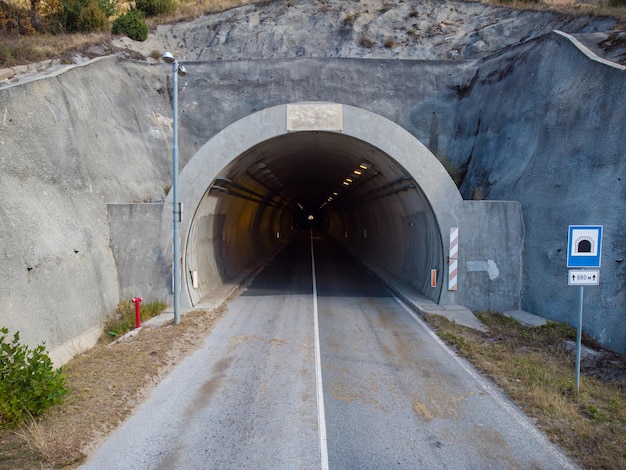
(229, 175)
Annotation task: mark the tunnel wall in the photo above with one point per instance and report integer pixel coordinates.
(228, 239)
(397, 234)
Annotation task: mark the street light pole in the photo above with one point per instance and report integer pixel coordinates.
(177, 69)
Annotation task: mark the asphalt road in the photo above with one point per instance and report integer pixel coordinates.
(315, 366)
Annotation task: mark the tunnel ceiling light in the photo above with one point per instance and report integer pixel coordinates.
(345, 183)
(365, 166)
(335, 193)
(349, 180)
(357, 172)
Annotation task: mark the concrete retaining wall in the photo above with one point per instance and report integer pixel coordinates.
(70, 144)
(142, 268)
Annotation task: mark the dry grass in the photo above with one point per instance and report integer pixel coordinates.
(535, 369)
(105, 384)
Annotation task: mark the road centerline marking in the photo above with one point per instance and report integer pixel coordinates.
(321, 418)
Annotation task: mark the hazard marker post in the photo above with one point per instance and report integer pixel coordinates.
(453, 259)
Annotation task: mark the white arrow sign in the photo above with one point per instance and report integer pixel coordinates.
(583, 277)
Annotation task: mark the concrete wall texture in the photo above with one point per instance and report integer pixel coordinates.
(540, 123)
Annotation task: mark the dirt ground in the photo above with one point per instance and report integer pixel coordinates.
(105, 385)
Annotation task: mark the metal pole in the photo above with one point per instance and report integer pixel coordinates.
(579, 335)
(175, 209)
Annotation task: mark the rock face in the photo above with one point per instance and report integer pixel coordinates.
(521, 112)
(429, 30)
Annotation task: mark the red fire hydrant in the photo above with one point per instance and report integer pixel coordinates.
(137, 302)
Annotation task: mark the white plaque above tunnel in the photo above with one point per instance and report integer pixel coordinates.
(314, 117)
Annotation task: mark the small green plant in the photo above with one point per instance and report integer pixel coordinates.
(456, 340)
(155, 7)
(123, 320)
(29, 384)
(596, 415)
(131, 24)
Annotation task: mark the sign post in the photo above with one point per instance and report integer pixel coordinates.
(584, 249)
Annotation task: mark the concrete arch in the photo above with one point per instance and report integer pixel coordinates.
(430, 197)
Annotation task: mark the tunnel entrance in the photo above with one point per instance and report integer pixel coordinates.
(355, 175)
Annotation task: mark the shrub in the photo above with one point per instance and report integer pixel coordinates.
(28, 382)
(155, 7)
(84, 16)
(132, 25)
(92, 18)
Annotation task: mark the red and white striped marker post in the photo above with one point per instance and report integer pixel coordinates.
(453, 259)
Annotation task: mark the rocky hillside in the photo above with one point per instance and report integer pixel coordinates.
(425, 30)
(377, 29)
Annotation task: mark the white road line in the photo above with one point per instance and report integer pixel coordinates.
(493, 393)
(321, 417)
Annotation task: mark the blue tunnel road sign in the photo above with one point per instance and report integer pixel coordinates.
(584, 246)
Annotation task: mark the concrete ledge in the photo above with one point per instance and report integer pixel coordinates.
(526, 318)
(456, 313)
(585, 50)
(77, 345)
(5, 74)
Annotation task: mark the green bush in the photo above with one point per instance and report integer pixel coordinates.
(92, 18)
(132, 25)
(84, 16)
(28, 382)
(155, 7)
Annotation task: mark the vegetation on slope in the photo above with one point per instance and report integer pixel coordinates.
(35, 30)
